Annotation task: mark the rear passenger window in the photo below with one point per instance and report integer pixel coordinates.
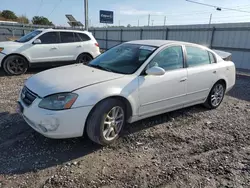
(212, 58)
(67, 37)
(49, 38)
(83, 36)
(197, 56)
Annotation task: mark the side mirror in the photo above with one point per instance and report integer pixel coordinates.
(37, 41)
(155, 71)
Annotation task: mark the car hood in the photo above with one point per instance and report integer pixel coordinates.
(10, 43)
(10, 46)
(67, 79)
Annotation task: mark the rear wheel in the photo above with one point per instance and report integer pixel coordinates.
(215, 96)
(84, 58)
(15, 65)
(106, 121)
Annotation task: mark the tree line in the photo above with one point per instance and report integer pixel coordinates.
(8, 15)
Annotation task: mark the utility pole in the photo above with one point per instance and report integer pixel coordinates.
(152, 22)
(86, 14)
(119, 23)
(148, 19)
(138, 23)
(210, 19)
(89, 22)
(165, 17)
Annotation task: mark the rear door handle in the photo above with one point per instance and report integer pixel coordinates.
(79, 46)
(54, 48)
(183, 79)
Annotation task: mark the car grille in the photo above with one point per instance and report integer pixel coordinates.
(28, 96)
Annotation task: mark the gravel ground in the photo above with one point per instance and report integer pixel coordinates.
(193, 147)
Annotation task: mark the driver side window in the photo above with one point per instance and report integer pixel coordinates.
(49, 38)
(170, 58)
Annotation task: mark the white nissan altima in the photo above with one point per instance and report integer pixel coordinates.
(129, 82)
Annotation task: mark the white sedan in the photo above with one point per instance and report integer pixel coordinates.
(129, 82)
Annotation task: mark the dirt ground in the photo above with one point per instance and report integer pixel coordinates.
(193, 147)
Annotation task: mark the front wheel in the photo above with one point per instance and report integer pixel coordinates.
(215, 96)
(106, 121)
(15, 65)
(84, 59)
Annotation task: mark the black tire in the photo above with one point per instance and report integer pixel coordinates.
(95, 125)
(15, 65)
(84, 58)
(209, 104)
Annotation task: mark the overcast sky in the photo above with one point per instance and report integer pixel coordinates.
(130, 11)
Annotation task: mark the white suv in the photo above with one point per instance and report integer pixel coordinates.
(47, 47)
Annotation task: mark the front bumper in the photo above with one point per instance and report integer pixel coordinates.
(55, 124)
(1, 59)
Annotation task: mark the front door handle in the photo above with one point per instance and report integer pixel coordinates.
(54, 48)
(79, 46)
(214, 72)
(183, 79)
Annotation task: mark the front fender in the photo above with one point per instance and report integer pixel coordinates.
(19, 50)
(126, 87)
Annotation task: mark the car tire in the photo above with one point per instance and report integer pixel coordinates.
(15, 65)
(101, 128)
(215, 96)
(84, 58)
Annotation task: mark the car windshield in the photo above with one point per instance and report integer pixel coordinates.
(125, 58)
(29, 36)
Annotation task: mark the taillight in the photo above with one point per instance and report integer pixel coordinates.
(97, 45)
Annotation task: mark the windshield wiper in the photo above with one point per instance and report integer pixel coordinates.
(100, 67)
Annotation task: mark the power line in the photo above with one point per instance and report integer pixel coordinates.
(188, 16)
(192, 13)
(216, 17)
(39, 7)
(56, 5)
(217, 7)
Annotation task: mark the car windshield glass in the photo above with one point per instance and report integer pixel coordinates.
(29, 36)
(125, 58)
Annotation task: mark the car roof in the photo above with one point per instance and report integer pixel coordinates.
(66, 30)
(159, 43)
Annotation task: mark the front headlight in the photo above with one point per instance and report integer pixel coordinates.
(60, 101)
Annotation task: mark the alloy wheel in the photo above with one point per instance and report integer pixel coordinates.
(113, 122)
(84, 59)
(217, 94)
(16, 66)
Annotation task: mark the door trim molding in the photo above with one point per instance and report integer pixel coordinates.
(163, 100)
(202, 90)
(178, 96)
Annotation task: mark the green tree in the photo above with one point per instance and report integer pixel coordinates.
(7, 14)
(40, 20)
(23, 19)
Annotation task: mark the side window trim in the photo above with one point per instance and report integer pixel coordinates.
(75, 36)
(210, 60)
(215, 60)
(184, 51)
